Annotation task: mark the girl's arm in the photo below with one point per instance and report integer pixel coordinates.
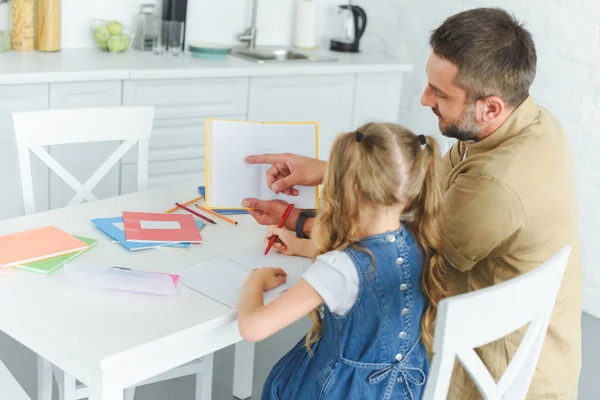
(289, 244)
(258, 321)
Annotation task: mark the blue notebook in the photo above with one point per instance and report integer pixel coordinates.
(202, 192)
(113, 227)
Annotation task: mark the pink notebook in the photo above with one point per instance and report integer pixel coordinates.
(37, 244)
(160, 227)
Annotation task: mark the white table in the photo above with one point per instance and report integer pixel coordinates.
(111, 340)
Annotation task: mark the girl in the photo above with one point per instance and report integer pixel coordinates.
(379, 281)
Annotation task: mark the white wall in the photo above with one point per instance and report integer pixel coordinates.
(567, 37)
(214, 20)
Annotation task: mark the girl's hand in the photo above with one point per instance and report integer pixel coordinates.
(287, 242)
(268, 278)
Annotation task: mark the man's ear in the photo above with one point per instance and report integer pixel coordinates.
(490, 108)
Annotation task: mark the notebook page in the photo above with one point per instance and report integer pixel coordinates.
(255, 258)
(232, 179)
(221, 280)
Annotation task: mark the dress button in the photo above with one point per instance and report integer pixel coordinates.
(404, 311)
(390, 238)
(402, 335)
(399, 260)
(398, 357)
(403, 287)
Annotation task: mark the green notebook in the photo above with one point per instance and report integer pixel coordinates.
(52, 264)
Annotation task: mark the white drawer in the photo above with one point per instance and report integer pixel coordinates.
(85, 94)
(189, 98)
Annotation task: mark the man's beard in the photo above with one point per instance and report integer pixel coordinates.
(467, 129)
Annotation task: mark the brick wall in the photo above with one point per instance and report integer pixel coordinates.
(567, 37)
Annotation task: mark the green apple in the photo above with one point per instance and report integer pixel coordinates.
(115, 28)
(115, 44)
(126, 41)
(101, 33)
(102, 44)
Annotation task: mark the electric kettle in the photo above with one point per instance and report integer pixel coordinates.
(352, 21)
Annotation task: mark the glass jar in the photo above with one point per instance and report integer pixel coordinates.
(22, 15)
(4, 27)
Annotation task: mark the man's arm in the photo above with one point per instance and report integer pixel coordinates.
(482, 217)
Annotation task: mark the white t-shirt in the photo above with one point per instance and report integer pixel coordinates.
(334, 276)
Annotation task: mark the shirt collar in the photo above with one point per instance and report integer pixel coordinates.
(521, 117)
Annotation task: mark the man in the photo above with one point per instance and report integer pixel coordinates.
(510, 193)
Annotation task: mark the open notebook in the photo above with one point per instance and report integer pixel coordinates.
(229, 179)
(221, 279)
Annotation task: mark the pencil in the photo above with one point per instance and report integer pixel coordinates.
(216, 214)
(285, 216)
(187, 203)
(195, 213)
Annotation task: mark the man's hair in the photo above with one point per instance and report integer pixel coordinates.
(494, 53)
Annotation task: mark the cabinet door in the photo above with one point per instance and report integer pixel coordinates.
(82, 159)
(325, 99)
(377, 98)
(19, 98)
(177, 142)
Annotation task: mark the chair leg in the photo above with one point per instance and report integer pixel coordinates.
(129, 393)
(67, 385)
(44, 379)
(204, 379)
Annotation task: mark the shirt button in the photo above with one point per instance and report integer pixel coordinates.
(399, 260)
(402, 335)
(398, 357)
(390, 238)
(403, 287)
(404, 311)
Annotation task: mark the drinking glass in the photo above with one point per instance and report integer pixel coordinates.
(159, 39)
(176, 38)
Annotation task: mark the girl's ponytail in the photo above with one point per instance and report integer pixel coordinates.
(427, 222)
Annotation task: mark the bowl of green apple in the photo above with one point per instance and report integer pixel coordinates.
(111, 36)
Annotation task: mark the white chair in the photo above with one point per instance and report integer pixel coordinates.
(129, 125)
(9, 387)
(471, 320)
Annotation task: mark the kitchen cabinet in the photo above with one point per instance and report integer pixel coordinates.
(82, 159)
(177, 143)
(338, 102)
(327, 100)
(19, 98)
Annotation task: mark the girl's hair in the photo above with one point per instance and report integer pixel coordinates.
(384, 165)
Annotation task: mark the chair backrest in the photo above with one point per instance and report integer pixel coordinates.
(9, 387)
(34, 129)
(471, 320)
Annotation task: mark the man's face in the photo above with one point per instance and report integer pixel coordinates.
(456, 119)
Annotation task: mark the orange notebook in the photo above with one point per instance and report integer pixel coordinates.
(37, 244)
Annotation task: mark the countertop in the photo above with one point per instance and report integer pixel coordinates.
(72, 65)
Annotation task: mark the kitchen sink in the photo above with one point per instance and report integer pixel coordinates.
(279, 55)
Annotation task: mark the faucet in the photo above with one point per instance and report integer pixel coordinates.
(249, 35)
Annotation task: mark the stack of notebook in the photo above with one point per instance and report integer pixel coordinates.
(42, 250)
(142, 231)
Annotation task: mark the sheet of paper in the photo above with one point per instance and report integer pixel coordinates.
(221, 280)
(231, 179)
(255, 258)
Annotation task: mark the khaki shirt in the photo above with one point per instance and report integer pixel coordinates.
(510, 205)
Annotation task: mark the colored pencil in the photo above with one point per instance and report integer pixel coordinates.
(195, 213)
(285, 216)
(187, 203)
(216, 214)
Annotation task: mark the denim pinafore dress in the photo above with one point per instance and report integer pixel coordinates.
(375, 350)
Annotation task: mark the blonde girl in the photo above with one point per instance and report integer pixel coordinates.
(374, 286)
